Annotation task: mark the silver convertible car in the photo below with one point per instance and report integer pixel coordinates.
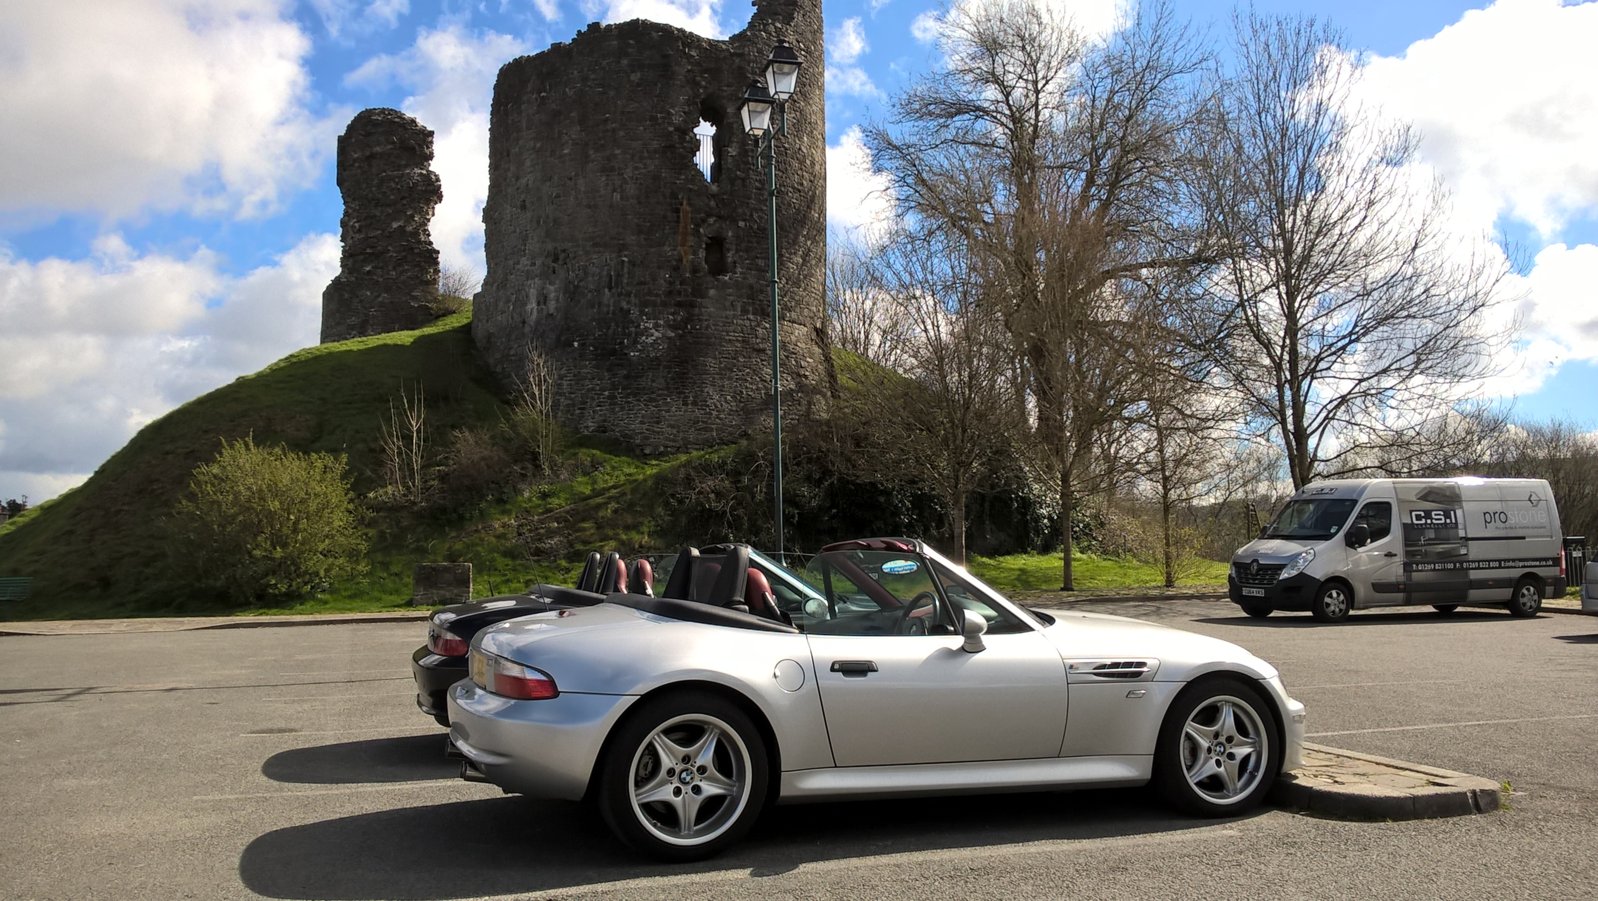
(901, 675)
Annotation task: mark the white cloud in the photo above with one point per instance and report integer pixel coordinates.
(859, 200)
(97, 348)
(451, 72)
(344, 17)
(122, 106)
(847, 42)
(845, 45)
(698, 16)
(1093, 19)
(1504, 99)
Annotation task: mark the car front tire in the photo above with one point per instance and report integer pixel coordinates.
(1527, 599)
(1332, 603)
(1218, 751)
(684, 776)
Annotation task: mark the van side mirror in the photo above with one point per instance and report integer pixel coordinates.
(1359, 535)
(1263, 529)
(975, 626)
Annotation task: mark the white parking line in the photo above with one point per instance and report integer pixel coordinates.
(296, 733)
(1528, 719)
(1373, 684)
(346, 790)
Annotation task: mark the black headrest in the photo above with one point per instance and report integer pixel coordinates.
(729, 586)
(681, 581)
(589, 580)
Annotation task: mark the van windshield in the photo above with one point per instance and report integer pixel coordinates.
(1312, 520)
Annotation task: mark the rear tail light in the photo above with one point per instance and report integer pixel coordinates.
(511, 680)
(445, 643)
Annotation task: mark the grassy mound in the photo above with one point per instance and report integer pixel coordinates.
(102, 548)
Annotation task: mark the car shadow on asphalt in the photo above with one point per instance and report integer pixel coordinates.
(409, 758)
(1579, 639)
(513, 845)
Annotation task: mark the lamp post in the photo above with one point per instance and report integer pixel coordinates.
(762, 100)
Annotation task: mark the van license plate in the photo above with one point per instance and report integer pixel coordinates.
(1254, 592)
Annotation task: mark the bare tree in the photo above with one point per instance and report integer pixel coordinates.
(949, 419)
(1062, 164)
(1565, 455)
(404, 444)
(1353, 315)
(863, 320)
(532, 418)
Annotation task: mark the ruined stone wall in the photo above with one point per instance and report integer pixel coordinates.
(388, 273)
(608, 251)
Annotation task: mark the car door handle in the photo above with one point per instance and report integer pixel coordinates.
(854, 667)
(1390, 554)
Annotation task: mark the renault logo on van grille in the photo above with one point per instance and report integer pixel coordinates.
(1254, 568)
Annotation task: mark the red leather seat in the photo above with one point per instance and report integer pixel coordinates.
(642, 580)
(758, 596)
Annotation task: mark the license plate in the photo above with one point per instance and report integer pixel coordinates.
(479, 669)
(1254, 592)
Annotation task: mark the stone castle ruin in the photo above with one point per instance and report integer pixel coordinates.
(638, 275)
(388, 273)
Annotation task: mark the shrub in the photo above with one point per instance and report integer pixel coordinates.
(260, 522)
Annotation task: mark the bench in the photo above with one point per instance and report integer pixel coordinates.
(15, 588)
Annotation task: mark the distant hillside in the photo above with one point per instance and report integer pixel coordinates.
(101, 550)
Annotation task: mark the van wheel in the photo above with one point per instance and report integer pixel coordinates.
(1332, 603)
(1258, 611)
(1445, 609)
(1528, 598)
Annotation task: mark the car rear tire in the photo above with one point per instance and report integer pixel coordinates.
(1218, 752)
(1445, 609)
(1527, 599)
(1332, 603)
(1257, 611)
(683, 777)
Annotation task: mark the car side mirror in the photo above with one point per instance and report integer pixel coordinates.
(975, 626)
(1358, 535)
(1263, 529)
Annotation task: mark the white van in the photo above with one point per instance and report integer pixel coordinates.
(1349, 544)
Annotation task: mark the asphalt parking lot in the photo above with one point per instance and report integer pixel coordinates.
(291, 763)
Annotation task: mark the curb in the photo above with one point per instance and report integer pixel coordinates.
(1347, 785)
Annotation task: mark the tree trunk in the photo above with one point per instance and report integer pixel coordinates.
(1169, 552)
(957, 527)
(1067, 508)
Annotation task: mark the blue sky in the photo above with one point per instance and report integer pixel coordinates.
(169, 218)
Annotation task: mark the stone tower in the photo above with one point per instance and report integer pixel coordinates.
(641, 281)
(388, 273)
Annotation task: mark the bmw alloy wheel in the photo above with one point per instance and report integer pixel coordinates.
(685, 776)
(1224, 747)
(1217, 752)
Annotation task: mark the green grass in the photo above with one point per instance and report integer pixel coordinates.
(1041, 572)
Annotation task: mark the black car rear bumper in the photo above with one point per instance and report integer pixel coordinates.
(434, 675)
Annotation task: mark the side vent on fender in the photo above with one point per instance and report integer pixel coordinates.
(1110, 670)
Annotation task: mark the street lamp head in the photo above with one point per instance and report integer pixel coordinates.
(782, 71)
(756, 109)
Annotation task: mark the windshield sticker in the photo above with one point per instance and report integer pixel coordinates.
(900, 567)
